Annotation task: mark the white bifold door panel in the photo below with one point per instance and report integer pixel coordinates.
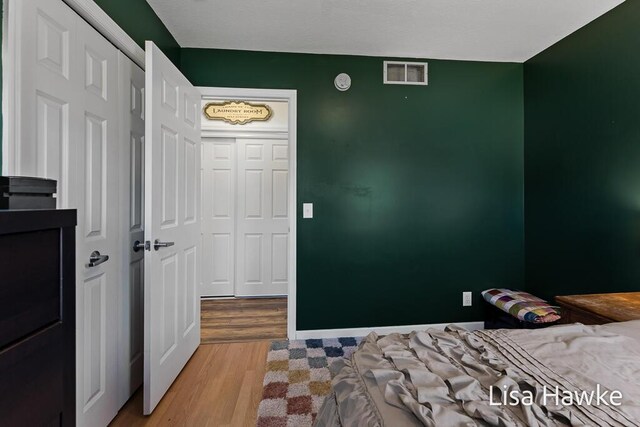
(69, 125)
(263, 217)
(218, 216)
(131, 303)
(172, 225)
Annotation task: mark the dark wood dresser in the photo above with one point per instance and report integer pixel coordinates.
(598, 309)
(37, 317)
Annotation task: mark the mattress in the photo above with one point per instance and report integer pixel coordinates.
(572, 375)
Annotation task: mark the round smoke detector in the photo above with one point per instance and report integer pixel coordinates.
(342, 82)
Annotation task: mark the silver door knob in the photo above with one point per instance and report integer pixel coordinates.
(158, 244)
(96, 259)
(139, 246)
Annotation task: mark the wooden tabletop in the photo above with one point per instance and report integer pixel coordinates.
(619, 307)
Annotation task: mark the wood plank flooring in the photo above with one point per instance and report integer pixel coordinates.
(221, 386)
(243, 319)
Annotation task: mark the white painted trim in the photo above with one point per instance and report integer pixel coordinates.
(98, 18)
(9, 83)
(291, 96)
(382, 330)
(260, 134)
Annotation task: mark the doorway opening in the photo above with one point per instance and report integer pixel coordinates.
(248, 176)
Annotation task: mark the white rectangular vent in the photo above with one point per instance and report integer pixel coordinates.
(406, 73)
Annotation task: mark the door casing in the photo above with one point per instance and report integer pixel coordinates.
(266, 95)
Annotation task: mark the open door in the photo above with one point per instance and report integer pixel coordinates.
(172, 225)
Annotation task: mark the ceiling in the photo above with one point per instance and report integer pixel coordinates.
(481, 30)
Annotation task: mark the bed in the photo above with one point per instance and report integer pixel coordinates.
(544, 377)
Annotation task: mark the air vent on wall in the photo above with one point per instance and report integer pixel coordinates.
(406, 73)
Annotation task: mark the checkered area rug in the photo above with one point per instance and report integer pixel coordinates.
(298, 379)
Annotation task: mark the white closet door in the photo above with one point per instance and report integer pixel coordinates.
(98, 234)
(67, 129)
(218, 216)
(131, 302)
(262, 219)
(172, 216)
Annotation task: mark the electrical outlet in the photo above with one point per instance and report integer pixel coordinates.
(466, 299)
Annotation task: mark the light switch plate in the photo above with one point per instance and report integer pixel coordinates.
(466, 299)
(307, 210)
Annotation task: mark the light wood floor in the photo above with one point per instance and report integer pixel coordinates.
(221, 386)
(238, 320)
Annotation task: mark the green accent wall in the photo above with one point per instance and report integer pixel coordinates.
(582, 159)
(417, 191)
(139, 20)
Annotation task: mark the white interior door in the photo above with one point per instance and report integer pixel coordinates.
(172, 217)
(131, 302)
(262, 256)
(67, 129)
(218, 216)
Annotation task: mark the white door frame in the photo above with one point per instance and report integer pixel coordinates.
(263, 95)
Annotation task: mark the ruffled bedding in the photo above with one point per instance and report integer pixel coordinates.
(460, 378)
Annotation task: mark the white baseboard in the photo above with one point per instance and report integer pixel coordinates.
(382, 330)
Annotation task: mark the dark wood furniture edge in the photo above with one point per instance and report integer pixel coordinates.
(602, 307)
(68, 271)
(573, 314)
(20, 221)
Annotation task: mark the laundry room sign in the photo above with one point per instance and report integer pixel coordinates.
(237, 112)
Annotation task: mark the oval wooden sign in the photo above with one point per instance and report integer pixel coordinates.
(237, 112)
